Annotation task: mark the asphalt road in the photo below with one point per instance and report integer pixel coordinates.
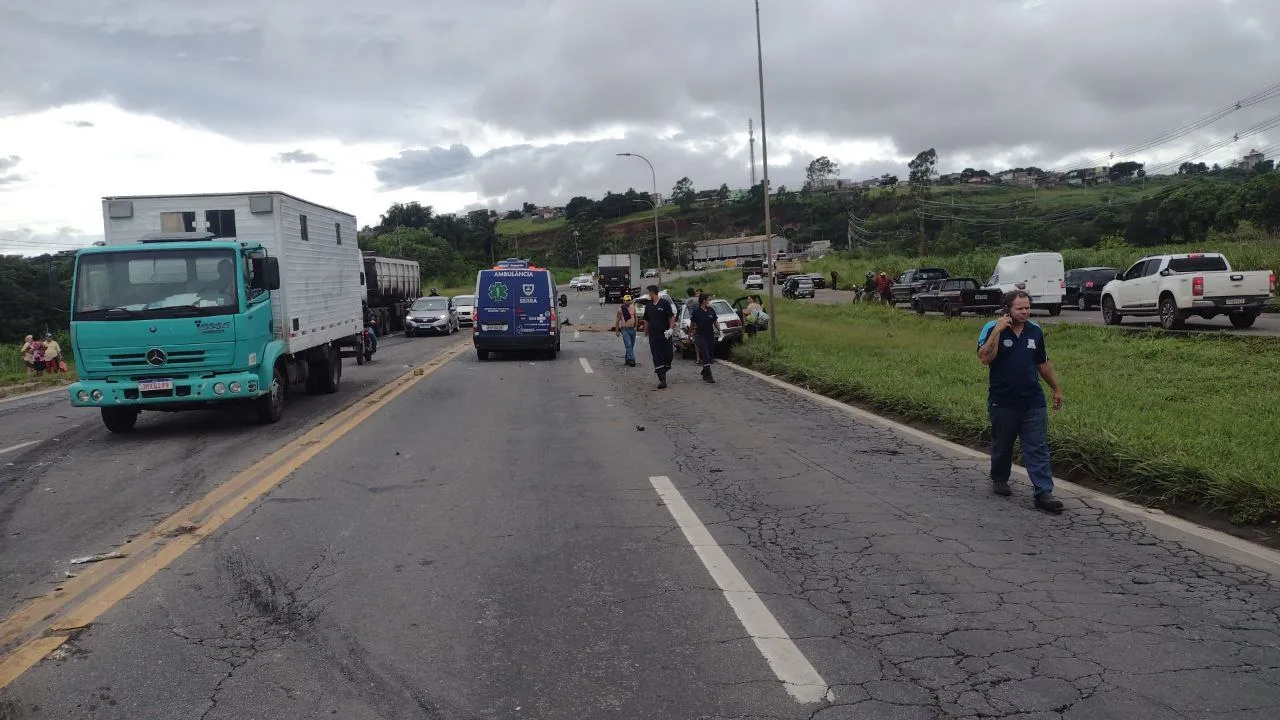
(559, 539)
(1267, 325)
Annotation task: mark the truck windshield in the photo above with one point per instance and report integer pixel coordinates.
(148, 284)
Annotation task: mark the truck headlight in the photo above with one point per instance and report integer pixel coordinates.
(83, 396)
(96, 395)
(234, 387)
(219, 388)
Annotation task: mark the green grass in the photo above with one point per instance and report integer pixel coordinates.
(529, 226)
(1179, 420)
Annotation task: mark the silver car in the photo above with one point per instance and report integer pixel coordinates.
(728, 329)
(464, 305)
(431, 315)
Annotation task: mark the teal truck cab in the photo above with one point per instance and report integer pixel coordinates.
(185, 319)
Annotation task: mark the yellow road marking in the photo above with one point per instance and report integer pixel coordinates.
(42, 626)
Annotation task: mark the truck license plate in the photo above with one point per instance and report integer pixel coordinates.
(496, 328)
(152, 385)
(1235, 301)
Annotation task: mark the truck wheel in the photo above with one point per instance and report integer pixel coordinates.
(119, 419)
(917, 307)
(1109, 314)
(360, 352)
(1242, 320)
(270, 406)
(1055, 310)
(330, 368)
(1171, 318)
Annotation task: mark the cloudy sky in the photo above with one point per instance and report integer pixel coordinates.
(497, 102)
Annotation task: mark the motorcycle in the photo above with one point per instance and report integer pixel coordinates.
(369, 343)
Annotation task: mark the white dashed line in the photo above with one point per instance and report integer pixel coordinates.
(576, 334)
(795, 671)
(19, 446)
(586, 366)
(583, 316)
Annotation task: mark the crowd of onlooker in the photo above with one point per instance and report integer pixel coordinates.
(43, 355)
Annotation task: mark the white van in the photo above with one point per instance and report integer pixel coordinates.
(1041, 274)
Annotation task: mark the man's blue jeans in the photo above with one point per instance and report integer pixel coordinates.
(629, 343)
(1031, 426)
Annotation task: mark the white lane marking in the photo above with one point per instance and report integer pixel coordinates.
(795, 671)
(582, 316)
(586, 366)
(19, 446)
(576, 334)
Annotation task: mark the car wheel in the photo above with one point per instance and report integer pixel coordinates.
(1109, 314)
(1082, 304)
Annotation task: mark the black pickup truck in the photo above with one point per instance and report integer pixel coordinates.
(914, 280)
(954, 297)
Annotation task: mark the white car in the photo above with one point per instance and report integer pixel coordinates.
(754, 282)
(464, 304)
(583, 282)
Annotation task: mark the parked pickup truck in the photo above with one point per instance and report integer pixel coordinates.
(1175, 287)
(954, 297)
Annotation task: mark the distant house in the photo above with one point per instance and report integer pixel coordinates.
(950, 179)
(1252, 159)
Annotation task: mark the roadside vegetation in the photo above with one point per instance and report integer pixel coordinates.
(1186, 419)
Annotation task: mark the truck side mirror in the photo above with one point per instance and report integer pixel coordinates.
(266, 273)
(564, 301)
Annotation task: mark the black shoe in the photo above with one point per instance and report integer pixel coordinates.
(1001, 487)
(1047, 502)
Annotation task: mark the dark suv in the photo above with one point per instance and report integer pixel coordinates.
(1084, 286)
(913, 281)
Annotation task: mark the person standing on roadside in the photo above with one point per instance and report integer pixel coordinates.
(624, 324)
(29, 355)
(659, 325)
(1012, 347)
(691, 304)
(702, 325)
(52, 354)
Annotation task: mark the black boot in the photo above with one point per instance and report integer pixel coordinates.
(662, 377)
(1046, 501)
(1001, 487)
(706, 374)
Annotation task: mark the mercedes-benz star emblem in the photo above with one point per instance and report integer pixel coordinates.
(155, 356)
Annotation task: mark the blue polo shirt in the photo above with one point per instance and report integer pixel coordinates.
(1013, 379)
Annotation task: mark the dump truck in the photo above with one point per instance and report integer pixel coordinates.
(391, 286)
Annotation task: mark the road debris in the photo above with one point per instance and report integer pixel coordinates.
(114, 554)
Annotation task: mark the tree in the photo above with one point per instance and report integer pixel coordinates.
(819, 170)
(408, 215)
(1124, 170)
(723, 193)
(528, 208)
(684, 194)
(887, 180)
(920, 175)
(513, 215)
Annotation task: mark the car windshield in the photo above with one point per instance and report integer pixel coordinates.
(430, 303)
(804, 281)
(146, 284)
(722, 307)
(930, 274)
(464, 300)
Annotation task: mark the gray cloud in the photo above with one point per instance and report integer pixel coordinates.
(298, 156)
(25, 241)
(7, 176)
(321, 171)
(986, 81)
(82, 124)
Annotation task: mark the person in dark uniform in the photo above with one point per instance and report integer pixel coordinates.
(835, 278)
(659, 325)
(703, 321)
(1012, 347)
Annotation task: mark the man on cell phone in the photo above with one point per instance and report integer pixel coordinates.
(1013, 349)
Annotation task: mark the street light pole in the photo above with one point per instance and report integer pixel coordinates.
(694, 259)
(764, 155)
(657, 242)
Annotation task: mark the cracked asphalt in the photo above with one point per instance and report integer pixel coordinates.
(488, 545)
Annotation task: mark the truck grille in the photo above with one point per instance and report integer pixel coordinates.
(175, 358)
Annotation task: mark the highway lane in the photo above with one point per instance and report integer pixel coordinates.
(80, 490)
(503, 540)
(1268, 325)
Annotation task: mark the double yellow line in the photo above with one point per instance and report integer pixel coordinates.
(42, 626)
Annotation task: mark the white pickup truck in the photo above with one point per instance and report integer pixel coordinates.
(1175, 287)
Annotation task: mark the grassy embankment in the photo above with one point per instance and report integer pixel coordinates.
(1175, 420)
(13, 373)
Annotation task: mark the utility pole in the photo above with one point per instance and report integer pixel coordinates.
(764, 157)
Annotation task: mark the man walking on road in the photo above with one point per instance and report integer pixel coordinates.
(1012, 347)
(624, 324)
(659, 325)
(703, 326)
(691, 303)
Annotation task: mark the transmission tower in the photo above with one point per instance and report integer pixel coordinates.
(751, 133)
